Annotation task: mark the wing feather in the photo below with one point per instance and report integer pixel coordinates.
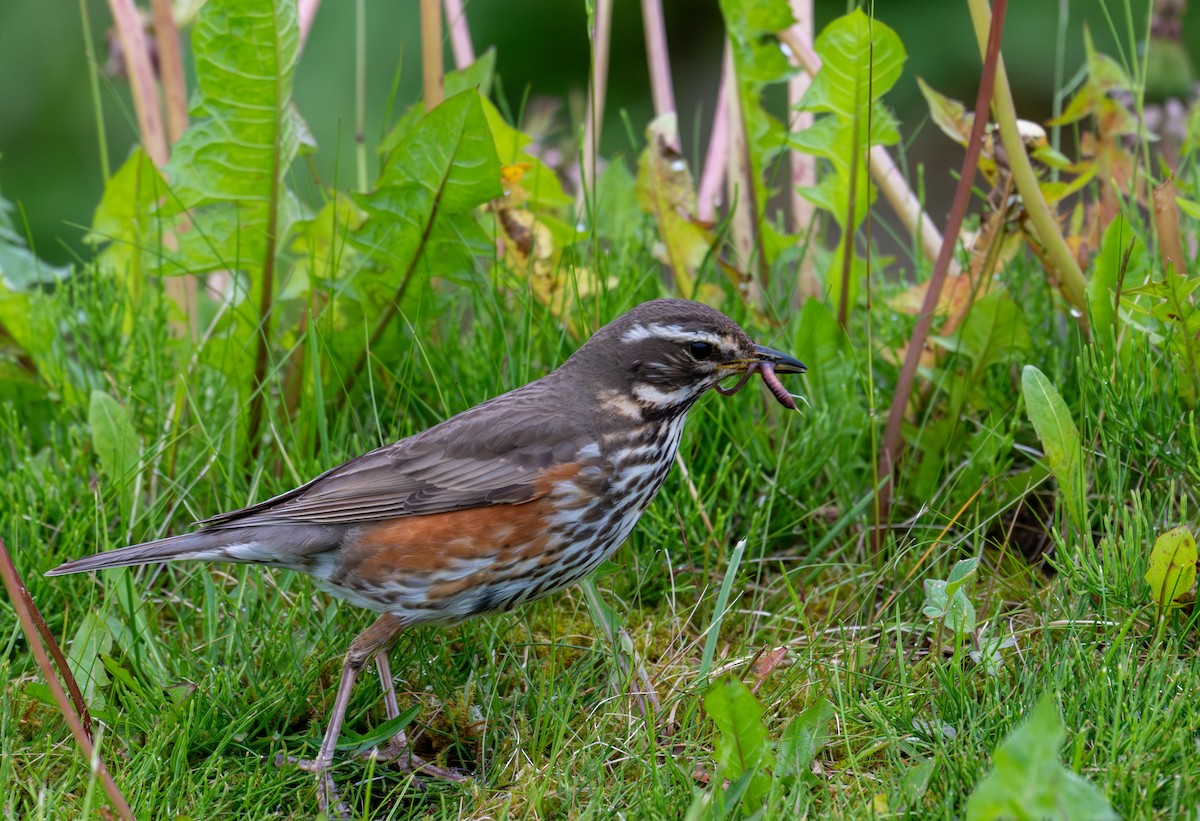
(491, 454)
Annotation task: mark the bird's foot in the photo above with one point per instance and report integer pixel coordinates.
(328, 799)
(398, 752)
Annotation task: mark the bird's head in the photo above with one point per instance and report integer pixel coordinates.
(661, 356)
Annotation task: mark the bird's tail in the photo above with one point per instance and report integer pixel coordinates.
(213, 546)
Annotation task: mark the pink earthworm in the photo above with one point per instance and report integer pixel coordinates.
(768, 375)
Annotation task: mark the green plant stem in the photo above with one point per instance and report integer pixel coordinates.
(1070, 278)
(94, 80)
(360, 92)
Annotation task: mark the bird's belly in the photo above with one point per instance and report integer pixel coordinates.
(445, 568)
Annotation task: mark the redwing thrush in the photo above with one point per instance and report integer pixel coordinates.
(503, 504)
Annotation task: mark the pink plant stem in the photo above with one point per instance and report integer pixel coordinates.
(594, 115)
(460, 34)
(170, 62)
(803, 166)
(307, 10)
(659, 60)
(141, 79)
(708, 194)
(739, 187)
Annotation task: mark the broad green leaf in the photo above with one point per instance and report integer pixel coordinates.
(916, 780)
(946, 600)
(861, 60)
(27, 332)
(113, 436)
(954, 609)
(1172, 569)
(1122, 258)
(539, 180)
(960, 573)
(125, 225)
(618, 217)
(20, 269)
(742, 745)
(478, 76)
(1028, 781)
(91, 640)
(993, 332)
(804, 737)
(1059, 437)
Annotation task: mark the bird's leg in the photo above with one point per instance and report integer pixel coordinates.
(398, 750)
(379, 636)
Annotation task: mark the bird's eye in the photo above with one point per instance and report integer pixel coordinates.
(700, 350)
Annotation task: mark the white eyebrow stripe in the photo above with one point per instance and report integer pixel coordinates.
(675, 333)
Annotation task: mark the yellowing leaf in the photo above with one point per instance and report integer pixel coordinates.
(665, 190)
(1172, 570)
(950, 115)
(531, 254)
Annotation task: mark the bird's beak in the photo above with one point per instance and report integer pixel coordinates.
(776, 361)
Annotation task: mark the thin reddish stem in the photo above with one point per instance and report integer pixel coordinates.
(962, 196)
(30, 618)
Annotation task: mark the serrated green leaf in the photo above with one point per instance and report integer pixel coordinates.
(1172, 568)
(1059, 437)
(742, 744)
(1028, 781)
(228, 168)
(420, 221)
(861, 60)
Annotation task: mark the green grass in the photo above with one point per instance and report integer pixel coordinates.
(216, 670)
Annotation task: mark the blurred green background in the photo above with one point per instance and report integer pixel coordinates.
(49, 155)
